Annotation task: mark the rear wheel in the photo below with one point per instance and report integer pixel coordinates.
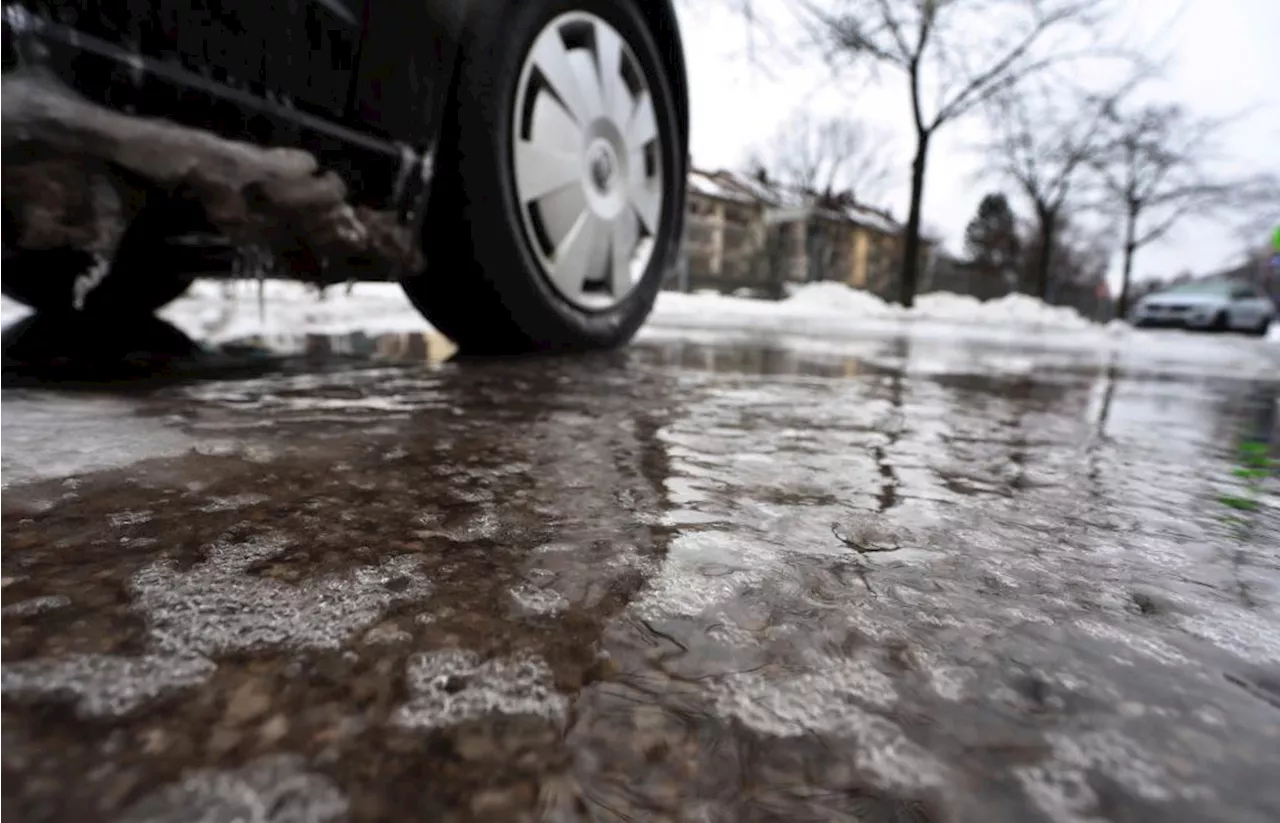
(149, 269)
(556, 208)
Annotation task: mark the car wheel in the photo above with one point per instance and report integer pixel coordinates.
(1220, 322)
(144, 275)
(1263, 327)
(557, 203)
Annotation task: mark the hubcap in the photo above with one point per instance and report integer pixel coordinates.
(588, 166)
(602, 169)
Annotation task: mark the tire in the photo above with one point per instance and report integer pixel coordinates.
(1220, 322)
(1263, 327)
(145, 275)
(488, 283)
(98, 348)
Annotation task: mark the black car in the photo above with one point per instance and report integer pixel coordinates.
(518, 165)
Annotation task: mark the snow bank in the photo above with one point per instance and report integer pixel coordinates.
(1011, 310)
(837, 297)
(220, 311)
(824, 304)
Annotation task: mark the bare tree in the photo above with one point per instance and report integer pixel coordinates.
(1081, 254)
(827, 156)
(1256, 233)
(1044, 140)
(954, 55)
(1157, 170)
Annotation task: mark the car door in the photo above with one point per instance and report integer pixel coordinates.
(304, 51)
(1246, 308)
(405, 63)
(312, 51)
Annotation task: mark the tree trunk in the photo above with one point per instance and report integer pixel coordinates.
(1130, 246)
(911, 242)
(1048, 224)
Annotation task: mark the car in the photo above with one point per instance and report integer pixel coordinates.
(1211, 305)
(518, 165)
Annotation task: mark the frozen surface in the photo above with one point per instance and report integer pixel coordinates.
(272, 789)
(105, 685)
(879, 573)
(47, 436)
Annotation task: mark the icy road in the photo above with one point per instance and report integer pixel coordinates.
(893, 576)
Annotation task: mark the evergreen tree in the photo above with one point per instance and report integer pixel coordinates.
(991, 239)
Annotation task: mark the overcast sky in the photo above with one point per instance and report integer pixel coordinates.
(1224, 59)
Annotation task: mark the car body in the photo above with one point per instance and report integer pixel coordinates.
(1213, 304)
(371, 112)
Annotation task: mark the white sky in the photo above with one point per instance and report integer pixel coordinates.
(1224, 59)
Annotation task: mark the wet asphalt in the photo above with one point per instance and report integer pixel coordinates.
(916, 580)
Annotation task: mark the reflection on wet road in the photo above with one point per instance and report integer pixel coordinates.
(680, 582)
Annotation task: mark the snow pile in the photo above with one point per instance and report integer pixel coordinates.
(837, 297)
(820, 307)
(1010, 310)
(822, 304)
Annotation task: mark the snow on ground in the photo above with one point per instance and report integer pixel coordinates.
(217, 312)
(221, 311)
(11, 311)
(835, 309)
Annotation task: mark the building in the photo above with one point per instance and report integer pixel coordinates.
(746, 234)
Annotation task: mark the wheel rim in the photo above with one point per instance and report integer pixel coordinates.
(587, 161)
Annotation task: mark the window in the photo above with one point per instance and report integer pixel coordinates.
(1243, 293)
(1198, 287)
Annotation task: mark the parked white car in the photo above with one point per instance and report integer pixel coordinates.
(1218, 305)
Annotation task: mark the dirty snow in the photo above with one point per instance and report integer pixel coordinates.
(214, 607)
(36, 605)
(453, 686)
(825, 703)
(104, 685)
(270, 789)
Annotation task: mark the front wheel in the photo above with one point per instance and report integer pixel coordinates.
(557, 205)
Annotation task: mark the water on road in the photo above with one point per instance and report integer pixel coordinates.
(910, 581)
